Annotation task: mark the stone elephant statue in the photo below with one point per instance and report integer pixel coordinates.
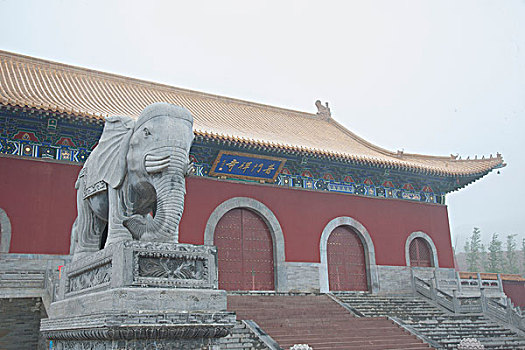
(132, 186)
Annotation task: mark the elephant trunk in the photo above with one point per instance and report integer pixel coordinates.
(170, 188)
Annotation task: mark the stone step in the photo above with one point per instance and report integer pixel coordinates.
(319, 322)
(377, 334)
(363, 344)
(443, 327)
(415, 346)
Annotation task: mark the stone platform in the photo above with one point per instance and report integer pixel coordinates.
(140, 295)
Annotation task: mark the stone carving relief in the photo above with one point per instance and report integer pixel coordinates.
(470, 344)
(180, 325)
(181, 268)
(300, 347)
(170, 268)
(136, 345)
(132, 186)
(90, 278)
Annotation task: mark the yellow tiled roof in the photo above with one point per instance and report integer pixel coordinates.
(32, 82)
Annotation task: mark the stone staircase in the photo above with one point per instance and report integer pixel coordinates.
(443, 328)
(319, 321)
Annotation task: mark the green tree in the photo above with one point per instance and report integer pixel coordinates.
(484, 259)
(467, 247)
(473, 245)
(511, 257)
(495, 258)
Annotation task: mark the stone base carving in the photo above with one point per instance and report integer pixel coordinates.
(137, 295)
(181, 344)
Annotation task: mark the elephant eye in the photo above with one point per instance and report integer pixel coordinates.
(146, 132)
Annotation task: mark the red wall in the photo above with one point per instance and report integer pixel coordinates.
(304, 214)
(515, 290)
(39, 198)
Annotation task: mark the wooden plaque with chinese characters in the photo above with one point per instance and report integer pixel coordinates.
(247, 166)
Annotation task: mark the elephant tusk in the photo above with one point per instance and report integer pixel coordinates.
(156, 168)
(155, 158)
(156, 165)
(157, 162)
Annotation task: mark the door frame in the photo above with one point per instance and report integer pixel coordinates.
(433, 251)
(368, 245)
(269, 218)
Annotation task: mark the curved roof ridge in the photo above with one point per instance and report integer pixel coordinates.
(455, 158)
(361, 140)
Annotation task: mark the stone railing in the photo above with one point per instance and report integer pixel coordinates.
(264, 337)
(506, 313)
(471, 282)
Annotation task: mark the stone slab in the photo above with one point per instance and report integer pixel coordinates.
(303, 277)
(141, 300)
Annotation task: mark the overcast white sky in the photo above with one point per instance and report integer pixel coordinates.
(434, 77)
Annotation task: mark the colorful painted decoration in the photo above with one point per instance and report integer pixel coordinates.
(34, 135)
(65, 141)
(26, 136)
(348, 178)
(306, 173)
(427, 189)
(408, 187)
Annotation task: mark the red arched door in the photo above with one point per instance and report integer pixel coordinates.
(346, 260)
(245, 251)
(420, 253)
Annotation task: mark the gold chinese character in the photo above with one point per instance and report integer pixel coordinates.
(231, 164)
(244, 166)
(269, 169)
(260, 166)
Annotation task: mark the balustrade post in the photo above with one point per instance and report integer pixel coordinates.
(433, 293)
(483, 300)
(413, 280)
(458, 281)
(500, 283)
(436, 278)
(509, 309)
(455, 302)
(480, 284)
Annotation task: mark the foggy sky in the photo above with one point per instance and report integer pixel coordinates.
(430, 77)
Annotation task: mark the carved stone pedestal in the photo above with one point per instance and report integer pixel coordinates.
(140, 295)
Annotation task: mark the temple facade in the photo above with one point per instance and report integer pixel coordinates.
(293, 201)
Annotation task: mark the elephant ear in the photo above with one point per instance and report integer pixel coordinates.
(107, 162)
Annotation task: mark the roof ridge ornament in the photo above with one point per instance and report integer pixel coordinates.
(323, 111)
